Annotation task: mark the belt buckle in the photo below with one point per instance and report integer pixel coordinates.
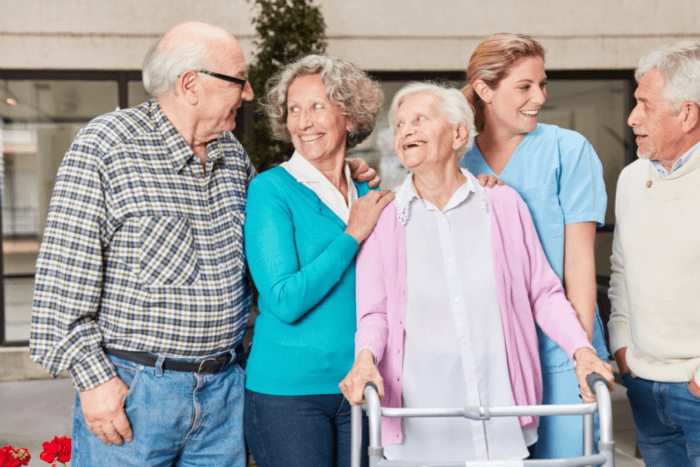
(219, 363)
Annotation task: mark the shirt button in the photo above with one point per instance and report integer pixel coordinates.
(649, 184)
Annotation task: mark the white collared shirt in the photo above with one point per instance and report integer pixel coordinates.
(676, 165)
(311, 177)
(454, 354)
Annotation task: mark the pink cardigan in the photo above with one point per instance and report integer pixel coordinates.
(527, 288)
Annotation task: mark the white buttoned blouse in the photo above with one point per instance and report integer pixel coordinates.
(454, 353)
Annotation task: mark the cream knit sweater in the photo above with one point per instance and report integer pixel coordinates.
(655, 283)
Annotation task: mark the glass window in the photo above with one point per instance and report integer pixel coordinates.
(38, 121)
(137, 93)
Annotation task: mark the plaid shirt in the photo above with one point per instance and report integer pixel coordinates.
(143, 248)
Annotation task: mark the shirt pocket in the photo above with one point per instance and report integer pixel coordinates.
(167, 254)
(158, 250)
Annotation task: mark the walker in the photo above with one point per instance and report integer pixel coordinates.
(596, 382)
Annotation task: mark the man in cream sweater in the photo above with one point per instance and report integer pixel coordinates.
(655, 283)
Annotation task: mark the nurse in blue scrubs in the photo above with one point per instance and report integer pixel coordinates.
(560, 177)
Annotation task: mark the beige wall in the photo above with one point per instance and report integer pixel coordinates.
(375, 34)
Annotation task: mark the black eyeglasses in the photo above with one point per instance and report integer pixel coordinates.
(230, 79)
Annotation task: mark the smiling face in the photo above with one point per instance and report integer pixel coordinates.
(515, 103)
(317, 126)
(424, 137)
(659, 132)
(221, 99)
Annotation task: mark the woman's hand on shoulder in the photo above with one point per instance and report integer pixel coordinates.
(363, 371)
(362, 172)
(489, 180)
(365, 212)
(587, 362)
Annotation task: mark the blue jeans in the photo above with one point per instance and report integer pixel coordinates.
(300, 431)
(178, 419)
(667, 416)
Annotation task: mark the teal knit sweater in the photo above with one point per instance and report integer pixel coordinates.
(303, 265)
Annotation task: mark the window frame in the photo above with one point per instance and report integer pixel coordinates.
(121, 77)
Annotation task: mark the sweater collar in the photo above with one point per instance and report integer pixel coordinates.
(676, 165)
(691, 161)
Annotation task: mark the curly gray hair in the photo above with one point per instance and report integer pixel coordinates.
(454, 106)
(680, 66)
(359, 98)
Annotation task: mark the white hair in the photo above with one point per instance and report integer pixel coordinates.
(679, 64)
(454, 106)
(163, 66)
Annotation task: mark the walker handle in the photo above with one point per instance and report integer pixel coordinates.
(371, 385)
(594, 378)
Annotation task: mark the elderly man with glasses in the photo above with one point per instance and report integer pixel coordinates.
(142, 288)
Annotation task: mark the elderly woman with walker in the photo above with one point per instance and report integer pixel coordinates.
(449, 286)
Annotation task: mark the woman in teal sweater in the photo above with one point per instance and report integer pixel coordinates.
(305, 221)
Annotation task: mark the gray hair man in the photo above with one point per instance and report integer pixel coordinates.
(142, 291)
(655, 322)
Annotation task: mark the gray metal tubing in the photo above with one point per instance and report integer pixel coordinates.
(356, 436)
(374, 414)
(606, 458)
(570, 409)
(606, 446)
(588, 434)
(596, 459)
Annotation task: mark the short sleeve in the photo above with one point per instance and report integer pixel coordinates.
(582, 193)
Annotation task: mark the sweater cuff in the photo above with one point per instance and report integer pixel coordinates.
(93, 371)
(347, 245)
(585, 345)
(620, 336)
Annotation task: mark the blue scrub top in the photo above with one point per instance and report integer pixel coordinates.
(560, 178)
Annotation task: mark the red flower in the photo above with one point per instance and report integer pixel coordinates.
(56, 450)
(11, 457)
